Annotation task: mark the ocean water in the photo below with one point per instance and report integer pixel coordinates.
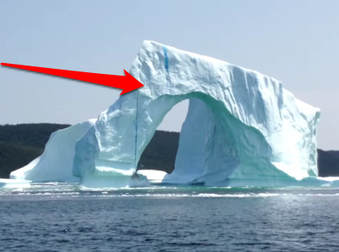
(64, 217)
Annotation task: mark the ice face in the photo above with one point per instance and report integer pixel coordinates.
(56, 163)
(242, 126)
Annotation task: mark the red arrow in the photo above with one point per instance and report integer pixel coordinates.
(128, 83)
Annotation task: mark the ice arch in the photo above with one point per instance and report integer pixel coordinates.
(241, 124)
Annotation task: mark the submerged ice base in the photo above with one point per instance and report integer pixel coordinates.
(14, 183)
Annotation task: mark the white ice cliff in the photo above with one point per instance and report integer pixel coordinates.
(242, 128)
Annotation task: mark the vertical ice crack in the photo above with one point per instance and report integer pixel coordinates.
(167, 67)
(136, 132)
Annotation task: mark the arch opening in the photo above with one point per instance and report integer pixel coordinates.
(209, 147)
(160, 153)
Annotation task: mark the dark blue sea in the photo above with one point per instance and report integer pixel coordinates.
(63, 217)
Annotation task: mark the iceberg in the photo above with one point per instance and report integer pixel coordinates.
(242, 129)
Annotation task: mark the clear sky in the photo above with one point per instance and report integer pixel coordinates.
(296, 42)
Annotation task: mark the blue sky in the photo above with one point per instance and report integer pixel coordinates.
(296, 42)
